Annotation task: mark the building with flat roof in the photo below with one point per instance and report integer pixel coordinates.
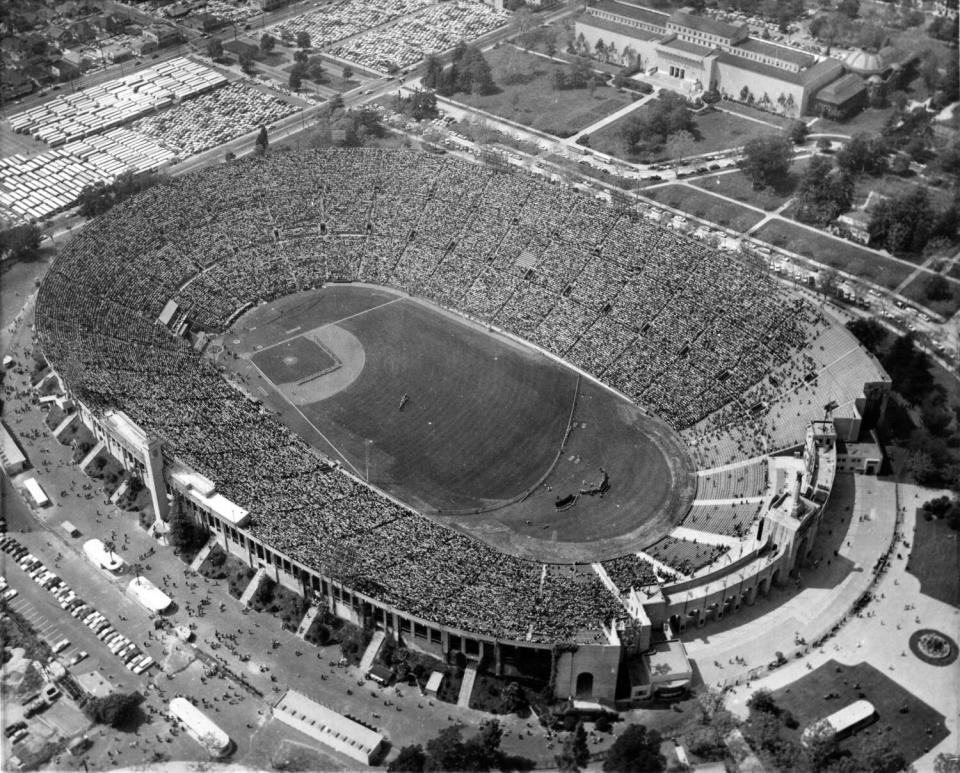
(330, 728)
(11, 456)
(700, 53)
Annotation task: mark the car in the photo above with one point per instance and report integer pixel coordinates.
(19, 735)
(89, 618)
(79, 610)
(10, 730)
(135, 661)
(9, 593)
(144, 665)
(106, 631)
(129, 654)
(115, 643)
(51, 692)
(34, 707)
(28, 561)
(77, 657)
(60, 646)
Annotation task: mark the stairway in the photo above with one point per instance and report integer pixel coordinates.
(252, 587)
(370, 654)
(466, 687)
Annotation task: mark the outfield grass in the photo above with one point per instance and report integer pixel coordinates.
(836, 253)
(805, 699)
(533, 101)
(705, 206)
(716, 131)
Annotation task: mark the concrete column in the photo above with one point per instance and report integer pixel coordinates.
(751, 595)
(497, 659)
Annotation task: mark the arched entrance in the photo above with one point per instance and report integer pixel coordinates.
(585, 685)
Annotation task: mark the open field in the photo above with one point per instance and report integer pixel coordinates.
(533, 101)
(912, 731)
(716, 131)
(836, 253)
(704, 205)
(481, 441)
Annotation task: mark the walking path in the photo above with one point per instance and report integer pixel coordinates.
(881, 633)
(466, 686)
(616, 116)
(859, 525)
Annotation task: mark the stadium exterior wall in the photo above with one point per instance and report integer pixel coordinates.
(570, 664)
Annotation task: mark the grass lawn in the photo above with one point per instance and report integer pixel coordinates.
(737, 186)
(533, 101)
(835, 253)
(715, 131)
(705, 206)
(935, 560)
(754, 112)
(806, 700)
(916, 291)
(870, 121)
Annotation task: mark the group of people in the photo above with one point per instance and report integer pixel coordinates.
(612, 294)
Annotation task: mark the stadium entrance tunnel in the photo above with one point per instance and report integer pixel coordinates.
(477, 430)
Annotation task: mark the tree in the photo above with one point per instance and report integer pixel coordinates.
(849, 8)
(471, 72)
(246, 61)
(347, 72)
(648, 130)
(301, 57)
(314, 69)
(215, 48)
(766, 160)
(432, 72)
(946, 763)
(303, 39)
(762, 700)
(262, 141)
(296, 77)
(579, 748)
(636, 750)
(411, 759)
(824, 192)
(904, 223)
(22, 242)
(798, 132)
(115, 709)
(937, 288)
(864, 154)
(267, 42)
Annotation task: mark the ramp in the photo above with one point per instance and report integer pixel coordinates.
(65, 424)
(307, 621)
(370, 654)
(94, 453)
(252, 587)
(204, 552)
(466, 687)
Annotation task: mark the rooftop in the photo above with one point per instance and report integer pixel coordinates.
(687, 48)
(825, 68)
(647, 15)
(613, 26)
(783, 53)
(842, 89)
(708, 25)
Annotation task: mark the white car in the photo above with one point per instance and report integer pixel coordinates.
(144, 665)
(77, 657)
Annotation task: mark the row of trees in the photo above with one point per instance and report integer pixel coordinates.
(22, 242)
(450, 752)
(98, 198)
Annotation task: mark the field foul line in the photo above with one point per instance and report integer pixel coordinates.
(283, 397)
(321, 327)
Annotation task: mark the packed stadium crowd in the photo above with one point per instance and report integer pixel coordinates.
(677, 327)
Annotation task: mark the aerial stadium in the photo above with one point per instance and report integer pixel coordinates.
(484, 413)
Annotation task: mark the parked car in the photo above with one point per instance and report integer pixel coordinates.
(77, 657)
